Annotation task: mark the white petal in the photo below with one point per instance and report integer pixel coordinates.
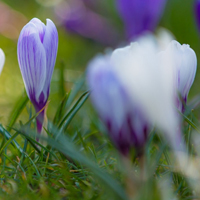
(51, 46)
(2, 60)
(185, 64)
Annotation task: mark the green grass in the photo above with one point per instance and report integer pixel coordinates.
(77, 160)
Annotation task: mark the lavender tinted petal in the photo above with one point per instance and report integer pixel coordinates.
(50, 43)
(41, 28)
(31, 54)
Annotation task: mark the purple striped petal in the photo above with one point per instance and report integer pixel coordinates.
(41, 28)
(32, 62)
(50, 43)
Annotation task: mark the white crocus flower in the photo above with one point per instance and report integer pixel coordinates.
(149, 76)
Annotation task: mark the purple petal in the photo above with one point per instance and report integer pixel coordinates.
(50, 43)
(40, 27)
(32, 62)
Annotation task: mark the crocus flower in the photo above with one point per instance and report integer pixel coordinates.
(148, 75)
(37, 51)
(140, 16)
(185, 66)
(81, 20)
(124, 119)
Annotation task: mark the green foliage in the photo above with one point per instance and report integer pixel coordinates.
(77, 159)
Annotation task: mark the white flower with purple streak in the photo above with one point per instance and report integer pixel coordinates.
(185, 66)
(124, 119)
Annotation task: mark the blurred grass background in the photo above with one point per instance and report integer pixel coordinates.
(75, 51)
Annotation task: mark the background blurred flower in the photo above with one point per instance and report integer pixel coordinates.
(11, 21)
(140, 16)
(197, 12)
(185, 62)
(37, 51)
(79, 19)
(123, 118)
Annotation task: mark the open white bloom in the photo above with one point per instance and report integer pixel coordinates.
(149, 76)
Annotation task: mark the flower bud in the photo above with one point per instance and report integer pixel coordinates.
(37, 51)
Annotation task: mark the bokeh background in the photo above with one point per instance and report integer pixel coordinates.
(76, 50)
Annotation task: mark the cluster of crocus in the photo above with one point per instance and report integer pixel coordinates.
(136, 86)
(37, 51)
(133, 88)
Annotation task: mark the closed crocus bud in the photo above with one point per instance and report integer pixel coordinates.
(140, 16)
(123, 118)
(185, 63)
(37, 51)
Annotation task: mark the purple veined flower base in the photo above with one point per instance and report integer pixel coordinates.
(122, 144)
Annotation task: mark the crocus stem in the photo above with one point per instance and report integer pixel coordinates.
(39, 122)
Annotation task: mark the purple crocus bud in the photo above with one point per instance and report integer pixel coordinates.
(140, 16)
(197, 13)
(185, 63)
(37, 51)
(124, 119)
